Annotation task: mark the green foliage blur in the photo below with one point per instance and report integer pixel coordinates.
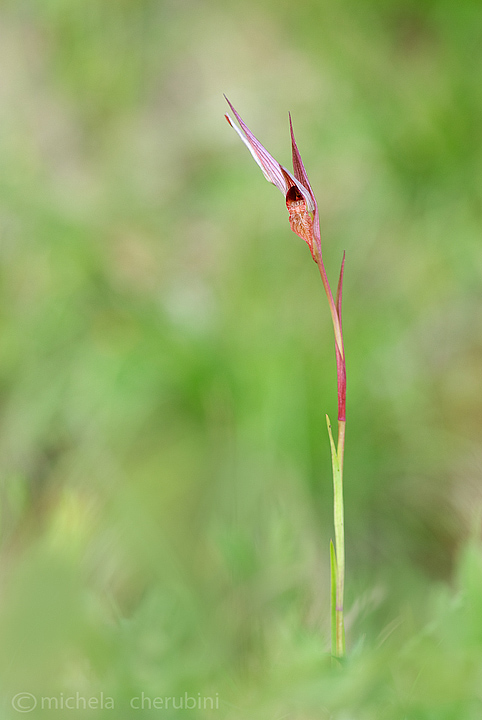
(167, 359)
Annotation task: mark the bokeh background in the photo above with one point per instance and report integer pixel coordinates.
(166, 357)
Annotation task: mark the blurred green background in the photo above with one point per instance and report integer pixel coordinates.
(166, 357)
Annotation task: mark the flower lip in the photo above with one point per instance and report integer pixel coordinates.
(275, 173)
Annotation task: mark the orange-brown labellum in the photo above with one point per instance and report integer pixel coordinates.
(301, 221)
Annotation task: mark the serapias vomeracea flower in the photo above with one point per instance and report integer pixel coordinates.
(304, 221)
(300, 200)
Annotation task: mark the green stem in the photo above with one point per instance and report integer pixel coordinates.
(338, 632)
(333, 569)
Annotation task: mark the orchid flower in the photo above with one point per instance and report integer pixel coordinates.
(295, 186)
(303, 216)
(304, 221)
